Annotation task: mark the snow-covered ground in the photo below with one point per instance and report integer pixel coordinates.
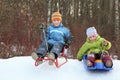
(22, 68)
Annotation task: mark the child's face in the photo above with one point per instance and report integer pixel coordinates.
(56, 22)
(92, 38)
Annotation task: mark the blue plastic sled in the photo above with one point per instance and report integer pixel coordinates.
(98, 65)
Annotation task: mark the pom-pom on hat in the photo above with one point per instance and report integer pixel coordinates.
(56, 16)
(91, 31)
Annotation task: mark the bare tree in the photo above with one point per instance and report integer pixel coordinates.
(20, 21)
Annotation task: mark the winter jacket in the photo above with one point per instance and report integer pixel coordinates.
(95, 47)
(57, 34)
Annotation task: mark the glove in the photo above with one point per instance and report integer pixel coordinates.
(67, 45)
(68, 41)
(79, 59)
(105, 43)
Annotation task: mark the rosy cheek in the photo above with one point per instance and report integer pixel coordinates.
(92, 39)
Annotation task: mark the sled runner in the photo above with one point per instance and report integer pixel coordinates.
(56, 62)
(98, 65)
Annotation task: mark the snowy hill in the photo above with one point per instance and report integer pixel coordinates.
(22, 68)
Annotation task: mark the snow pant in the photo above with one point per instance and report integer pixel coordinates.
(55, 48)
(104, 56)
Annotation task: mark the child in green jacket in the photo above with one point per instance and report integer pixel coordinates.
(95, 47)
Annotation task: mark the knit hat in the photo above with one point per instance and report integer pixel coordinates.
(91, 31)
(56, 15)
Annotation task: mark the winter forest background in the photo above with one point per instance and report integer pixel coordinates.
(20, 21)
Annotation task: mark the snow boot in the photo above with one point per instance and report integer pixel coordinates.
(51, 56)
(35, 57)
(106, 59)
(108, 64)
(89, 63)
(90, 60)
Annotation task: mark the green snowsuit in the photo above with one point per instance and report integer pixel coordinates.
(96, 47)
